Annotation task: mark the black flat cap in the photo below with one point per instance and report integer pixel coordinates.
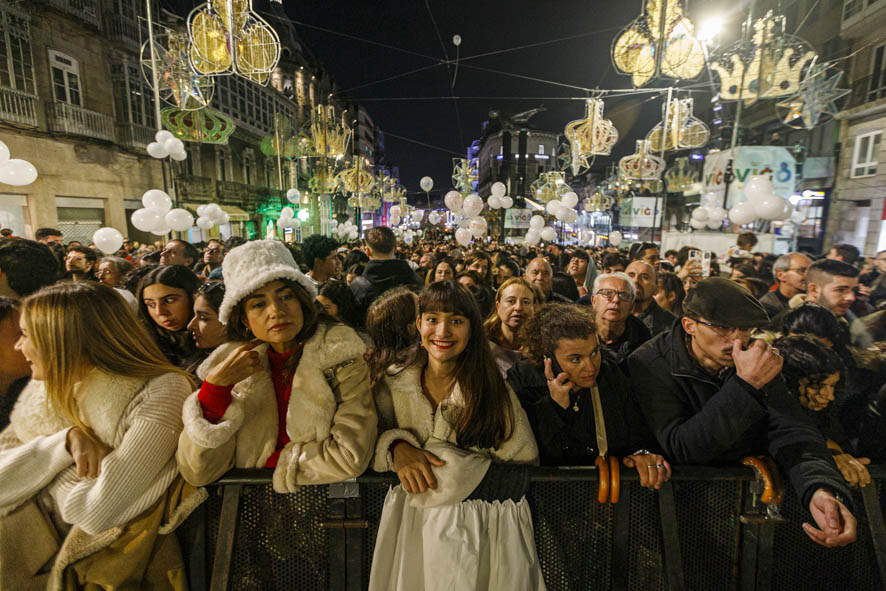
(724, 302)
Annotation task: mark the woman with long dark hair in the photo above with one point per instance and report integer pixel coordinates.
(390, 325)
(449, 425)
(165, 307)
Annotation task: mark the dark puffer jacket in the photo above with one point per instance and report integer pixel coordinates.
(380, 276)
(707, 420)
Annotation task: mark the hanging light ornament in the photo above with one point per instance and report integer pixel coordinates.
(284, 141)
(817, 96)
(660, 42)
(329, 138)
(598, 201)
(179, 85)
(768, 65)
(464, 175)
(355, 179)
(206, 126)
(589, 137)
(228, 37)
(684, 131)
(642, 165)
(680, 176)
(550, 186)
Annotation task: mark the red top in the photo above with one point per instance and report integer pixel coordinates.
(216, 399)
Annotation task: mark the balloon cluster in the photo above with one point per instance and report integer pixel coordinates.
(498, 199)
(287, 219)
(467, 216)
(166, 144)
(211, 214)
(563, 208)
(345, 231)
(395, 215)
(14, 171)
(408, 235)
(538, 231)
(709, 214)
(158, 217)
(761, 202)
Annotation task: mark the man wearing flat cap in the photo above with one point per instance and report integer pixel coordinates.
(711, 398)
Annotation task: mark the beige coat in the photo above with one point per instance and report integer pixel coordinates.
(331, 419)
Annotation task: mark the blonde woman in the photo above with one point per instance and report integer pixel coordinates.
(89, 456)
(515, 303)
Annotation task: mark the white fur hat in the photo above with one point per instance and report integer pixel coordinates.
(253, 265)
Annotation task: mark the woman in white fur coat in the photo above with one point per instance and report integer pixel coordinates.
(291, 389)
(89, 455)
(449, 426)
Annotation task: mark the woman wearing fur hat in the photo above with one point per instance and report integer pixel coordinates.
(456, 435)
(290, 391)
(89, 456)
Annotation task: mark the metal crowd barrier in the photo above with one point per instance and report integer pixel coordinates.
(706, 529)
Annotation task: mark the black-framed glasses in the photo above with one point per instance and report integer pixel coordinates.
(800, 270)
(609, 294)
(724, 331)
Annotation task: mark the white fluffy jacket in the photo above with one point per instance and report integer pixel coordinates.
(331, 420)
(405, 414)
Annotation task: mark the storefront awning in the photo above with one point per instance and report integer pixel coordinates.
(236, 214)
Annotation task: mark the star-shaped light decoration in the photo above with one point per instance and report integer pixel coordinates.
(817, 96)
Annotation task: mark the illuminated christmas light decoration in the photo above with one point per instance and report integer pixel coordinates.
(206, 126)
(590, 137)
(464, 175)
(641, 165)
(817, 96)
(179, 85)
(684, 131)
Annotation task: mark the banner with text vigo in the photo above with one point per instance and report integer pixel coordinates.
(517, 218)
(773, 161)
(640, 212)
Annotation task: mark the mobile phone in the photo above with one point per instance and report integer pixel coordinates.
(555, 367)
(706, 264)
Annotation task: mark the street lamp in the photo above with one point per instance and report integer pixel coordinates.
(710, 29)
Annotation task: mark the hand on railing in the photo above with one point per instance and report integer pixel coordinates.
(653, 469)
(836, 521)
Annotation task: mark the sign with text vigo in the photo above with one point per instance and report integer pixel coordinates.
(773, 161)
(517, 218)
(640, 212)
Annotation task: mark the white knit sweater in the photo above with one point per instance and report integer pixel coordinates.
(140, 420)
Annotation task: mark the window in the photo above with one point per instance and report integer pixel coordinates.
(133, 98)
(877, 86)
(16, 62)
(866, 154)
(851, 8)
(65, 78)
(222, 163)
(248, 166)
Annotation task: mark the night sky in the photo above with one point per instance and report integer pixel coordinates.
(485, 26)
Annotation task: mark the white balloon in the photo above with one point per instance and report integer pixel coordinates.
(473, 205)
(476, 230)
(107, 240)
(163, 135)
(570, 216)
(714, 224)
(395, 220)
(161, 230)
(179, 156)
(463, 236)
(711, 199)
(408, 239)
(213, 211)
(433, 217)
(698, 224)
(417, 216)
(456, 40)
(287, 212)
(201, 210)
(717, 214)
(157, 150)
(758, 188)
(223, 219)
(787, 210)
(506, 202)
(395, 211)
(293, 195)
(742, 213)
(770, 208)
(4, 153)
(499, 189)
(179, 219)
(533, 236)
(548, 234)
(701, 214)
(536, 222)
(204, 223)
(570, 199)
(798, 217)
(146, 219)
(353, 234)
(552, 206)
(426, 183)
(454, 201)
(494, 202)
(615, 238)
(562, 212)
(17, 172)
(173, 145)
(157, 200)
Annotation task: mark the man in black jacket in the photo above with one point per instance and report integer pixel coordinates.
(646, 309)
(710, 401)
(382, 271)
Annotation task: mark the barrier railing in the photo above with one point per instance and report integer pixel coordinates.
(705, 529)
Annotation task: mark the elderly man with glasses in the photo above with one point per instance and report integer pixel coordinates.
(712, 397)
(789, 271)
(619, 331)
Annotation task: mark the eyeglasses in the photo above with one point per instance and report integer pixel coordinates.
(609, 294)
(725, 331)
(800, 270)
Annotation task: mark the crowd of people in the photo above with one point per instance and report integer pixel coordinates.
(130, 380)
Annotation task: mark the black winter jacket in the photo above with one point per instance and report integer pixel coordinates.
(380, 276)
(565, 436)
(701, 419)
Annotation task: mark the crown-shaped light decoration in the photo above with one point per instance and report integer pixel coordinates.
(589, 137)
(355, 179)
(680, 176)
(549, 186)
(684, 131)
(228, 37)
(660, 42)
(641, 165)
(283, 142)
(817, 96)
(329, 138)
(388, 187)
(464, 175)
(323, 180)
(598, 201)
(206, 125)
(179, 85)
(769, 65)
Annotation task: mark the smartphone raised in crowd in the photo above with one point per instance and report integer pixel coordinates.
(702, 261)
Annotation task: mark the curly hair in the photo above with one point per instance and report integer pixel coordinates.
(316, 247)
(805, 357)
(554, 322)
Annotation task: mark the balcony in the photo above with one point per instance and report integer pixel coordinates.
(861, 17)
(87, 11)
(867, 90)
(123, 30)
(71, 120)
(18, 107)
(134, 135)
(197, 189)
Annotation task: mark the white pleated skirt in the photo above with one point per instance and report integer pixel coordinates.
(473, 545)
